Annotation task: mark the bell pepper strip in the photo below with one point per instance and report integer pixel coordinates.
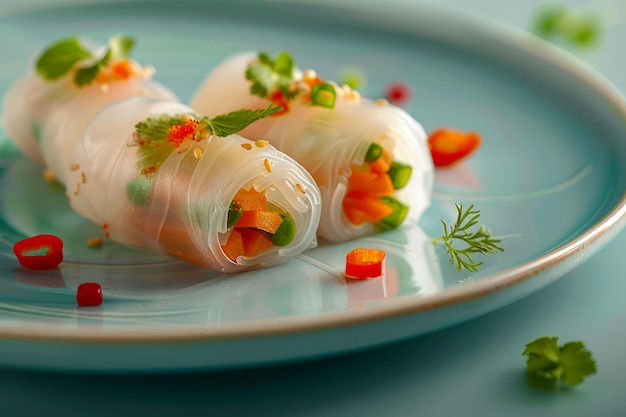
(449, 146)
(28, 252)
(255, 241)
(233, 248)
(396, 218)
(89, 294)
(363, 263)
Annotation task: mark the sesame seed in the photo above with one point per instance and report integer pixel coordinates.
(105, 88)
(83, 176)
(147, 71)
(309, 74)
(246, 146)
(94, 242)
(268, 165)
(261, 143)
(197, 153)
(77, 188)
(48, 175)
(301, 188)
(74, 167)
(183, 148)
(381, 102)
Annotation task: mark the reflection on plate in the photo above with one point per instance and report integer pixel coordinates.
(549, 180)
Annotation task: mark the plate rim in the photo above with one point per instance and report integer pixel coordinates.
(567, 255)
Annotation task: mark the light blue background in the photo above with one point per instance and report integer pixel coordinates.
(473, 369)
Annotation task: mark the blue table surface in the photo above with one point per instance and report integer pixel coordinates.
(472, 369)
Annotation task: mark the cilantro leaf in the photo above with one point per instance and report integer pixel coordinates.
(233, 122)
(58, 59)
(120, 46)
(570, 363)
(268, 75)
(157, 127)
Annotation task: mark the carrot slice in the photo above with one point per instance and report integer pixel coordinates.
(449, 146)
(255, 242)
(250, 199)
(359, 210)
(234, 246)
(265, 220)
(369, 184)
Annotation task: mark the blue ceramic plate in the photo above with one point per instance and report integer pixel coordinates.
(549, 180)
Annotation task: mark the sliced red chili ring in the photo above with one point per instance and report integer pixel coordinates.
(39, 252)
(362, 263)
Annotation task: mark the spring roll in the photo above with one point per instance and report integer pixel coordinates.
(370, 159)
(155, 175)
(48, 108)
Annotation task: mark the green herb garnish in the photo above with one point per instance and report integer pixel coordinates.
(570, 363)
(233, 122)
(268, 75)
(556, 21)
(157, 142)
(479, 241)
(158, 127)
(60, 58)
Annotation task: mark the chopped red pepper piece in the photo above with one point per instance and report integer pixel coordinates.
(89, 294)
(362, 263)
(398, 93)
(28, 252)
(448, 146)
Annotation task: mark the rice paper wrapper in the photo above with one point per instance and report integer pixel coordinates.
(328, 141)
(185, 214)
(46, 118)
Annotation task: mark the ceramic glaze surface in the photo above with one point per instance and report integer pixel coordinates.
(552, 132)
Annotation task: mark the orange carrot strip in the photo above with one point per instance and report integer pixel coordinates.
(234, 246)
(359, 210)
(265, 220)
(255, 242)
(369, 184)
(250, 199)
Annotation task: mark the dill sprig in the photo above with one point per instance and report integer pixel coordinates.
(479, 241)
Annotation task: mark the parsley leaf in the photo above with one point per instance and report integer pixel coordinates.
(570, 363)
(233, 122)
(479, 241)
(157, 127)
(58, 59)
(269, 75)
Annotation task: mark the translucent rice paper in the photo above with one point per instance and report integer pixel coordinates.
(327, 141)
(191, 191)
(45, 118)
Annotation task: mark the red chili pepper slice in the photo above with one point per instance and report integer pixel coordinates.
(362, 263)
(448, 146)
(28, 251)
(89, 294)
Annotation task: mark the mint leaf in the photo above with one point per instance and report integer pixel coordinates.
(58, 59)
(268, 75)
(233, 122)
(570, 363)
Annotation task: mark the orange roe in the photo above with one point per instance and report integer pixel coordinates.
(122, 70)
(178, 133)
